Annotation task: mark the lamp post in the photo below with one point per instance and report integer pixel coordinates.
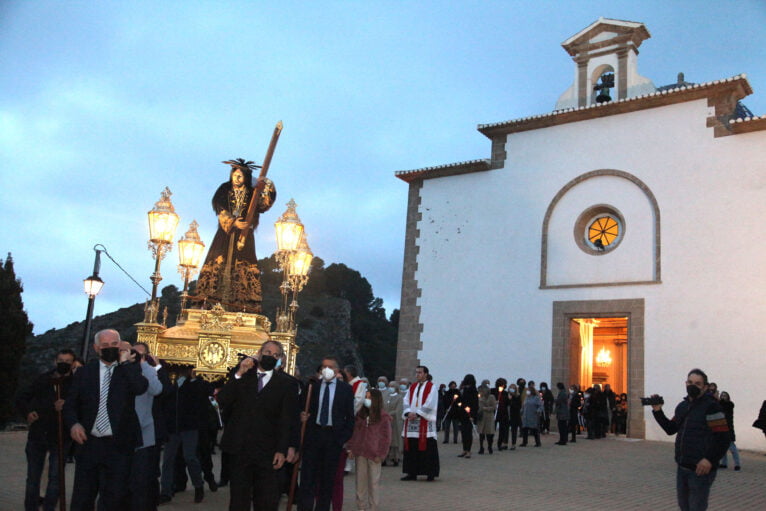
(190, 249)
(162, 227)
(92, 286)
(298, 273)
(289, 230)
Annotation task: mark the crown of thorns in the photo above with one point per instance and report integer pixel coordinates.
(240, 162)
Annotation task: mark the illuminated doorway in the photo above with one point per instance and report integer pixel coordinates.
(617, 335)
(599, 349)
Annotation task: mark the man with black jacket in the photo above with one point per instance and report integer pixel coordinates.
(40, 405)
(261, 404)
(100, 414)
(184, 409)
(703, 437)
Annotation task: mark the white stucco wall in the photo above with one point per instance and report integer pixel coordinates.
(480, 249)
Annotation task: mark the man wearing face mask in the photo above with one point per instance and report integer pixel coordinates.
(330, 424)
(40, 405)
(703, 437)
(100, 415)
(262, 408)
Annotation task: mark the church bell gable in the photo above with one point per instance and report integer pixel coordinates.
(606, 63)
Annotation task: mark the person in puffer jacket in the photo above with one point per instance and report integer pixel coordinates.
(702, 439)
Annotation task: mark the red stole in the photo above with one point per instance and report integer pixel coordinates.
(355, 386)
(423, 423)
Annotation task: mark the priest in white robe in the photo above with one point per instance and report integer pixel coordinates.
(421, 454)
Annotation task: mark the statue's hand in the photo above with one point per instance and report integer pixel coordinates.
(241, 224)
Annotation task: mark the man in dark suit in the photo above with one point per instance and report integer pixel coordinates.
(262, 409)
(100, 414)
(330, 426)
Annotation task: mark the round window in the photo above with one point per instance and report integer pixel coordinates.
(599, 229)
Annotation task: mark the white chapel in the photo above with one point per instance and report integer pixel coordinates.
(574, 257)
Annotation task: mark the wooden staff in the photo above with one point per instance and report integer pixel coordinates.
(296, 466)
(61, 460)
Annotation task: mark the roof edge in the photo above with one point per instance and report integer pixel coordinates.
(449, 169)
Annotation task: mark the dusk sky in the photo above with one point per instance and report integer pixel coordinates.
(103, 104)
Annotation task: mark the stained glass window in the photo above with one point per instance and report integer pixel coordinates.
(603, 231)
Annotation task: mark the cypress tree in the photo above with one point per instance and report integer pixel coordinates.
(14, 330)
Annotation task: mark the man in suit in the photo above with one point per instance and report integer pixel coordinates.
(100, 414)
(262, 409)
(330, 426)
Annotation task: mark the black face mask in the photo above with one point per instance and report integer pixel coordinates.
(110, 355)
(693, 391)
(63, 367)
(267, 362)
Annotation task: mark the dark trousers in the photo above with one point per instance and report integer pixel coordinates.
(205, 454)
(692, 490)
(320, 462)
(101, 469)
(466, 431)
(145, 479)
(502, 431)
(188, 441)
(37, 451)
(253, 482)
(525, 435)
(563, 431)
(455, 425)
(225, 470)
(514, 433)
(574, 426)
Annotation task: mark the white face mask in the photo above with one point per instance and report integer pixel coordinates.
(328, 373)
(392, 390)
(528, 393)
(367, 403)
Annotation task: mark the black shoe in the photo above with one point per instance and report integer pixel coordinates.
(199, 494)
(212, 485)
(737, 468)
(538, 445)
(561, 443)
(513, 447)
(222, 483)
(430, 478)
(164, 499)
(523, 445)
(385, 464)
(396, 463)
(723, 466)
(408, 478)
(481, 451)
(490, 449)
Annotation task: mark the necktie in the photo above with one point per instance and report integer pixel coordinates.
(324, 414)
(102, 417)
(260, 381)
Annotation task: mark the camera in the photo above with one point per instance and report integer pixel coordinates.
(653, 400)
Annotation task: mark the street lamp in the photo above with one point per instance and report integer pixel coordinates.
(298, 273)
(162, 227)
(290, 231)
(190, 250)
(92, 286)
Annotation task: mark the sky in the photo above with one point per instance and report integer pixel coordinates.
(103, 104)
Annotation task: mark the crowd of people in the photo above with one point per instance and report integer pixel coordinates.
(136, 432)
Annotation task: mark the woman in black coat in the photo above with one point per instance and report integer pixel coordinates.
(514, 413)
(502, 416)
(469, 406)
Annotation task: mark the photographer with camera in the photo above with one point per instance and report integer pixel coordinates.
(703, 437)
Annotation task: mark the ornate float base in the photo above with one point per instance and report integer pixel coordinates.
(212, 341)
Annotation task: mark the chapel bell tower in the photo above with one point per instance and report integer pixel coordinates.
(606, 63)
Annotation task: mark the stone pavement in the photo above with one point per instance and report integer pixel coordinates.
(609, 474)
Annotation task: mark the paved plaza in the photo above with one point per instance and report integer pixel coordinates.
(608, 474)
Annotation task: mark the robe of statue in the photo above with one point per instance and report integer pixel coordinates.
(244, 293)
